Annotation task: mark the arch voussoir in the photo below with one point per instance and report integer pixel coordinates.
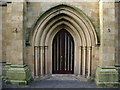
(80, 28)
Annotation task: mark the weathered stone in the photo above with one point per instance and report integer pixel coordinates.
(18, 74)
(94, 27)
(107, 77)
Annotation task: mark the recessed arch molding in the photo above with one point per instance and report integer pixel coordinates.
(78, 25)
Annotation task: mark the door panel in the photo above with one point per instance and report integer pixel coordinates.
(63, 53)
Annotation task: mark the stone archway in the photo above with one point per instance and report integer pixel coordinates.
(78, 25)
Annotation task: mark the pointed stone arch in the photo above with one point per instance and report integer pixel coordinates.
(77, 24)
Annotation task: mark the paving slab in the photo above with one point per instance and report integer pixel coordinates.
(56, 81)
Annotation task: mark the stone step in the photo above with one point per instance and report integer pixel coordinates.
(63, 77)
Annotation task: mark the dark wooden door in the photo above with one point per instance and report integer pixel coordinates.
(63, 53)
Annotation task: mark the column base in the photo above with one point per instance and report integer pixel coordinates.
(18, 74)
(43, 77)
(107, 76)
(83, 78)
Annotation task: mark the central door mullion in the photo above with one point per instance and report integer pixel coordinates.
(62, 47)
(60, 53)
(63, 51)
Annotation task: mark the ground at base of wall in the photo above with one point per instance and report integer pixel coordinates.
(57, 82)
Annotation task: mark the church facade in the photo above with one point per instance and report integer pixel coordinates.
(81, 38)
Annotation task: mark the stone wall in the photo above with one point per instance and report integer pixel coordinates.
(90, 9)
(119, 31)
(117, 7)
(36, 9)
(117, 13)
(106, 73)
(19, 19)
(16, 50)
(8, 34)
(2, 33)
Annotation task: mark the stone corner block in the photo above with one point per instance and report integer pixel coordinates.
(18, 74)
(118, 69)
(107, 77)
(5, 69)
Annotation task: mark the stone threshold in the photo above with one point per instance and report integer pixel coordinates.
(62, 77)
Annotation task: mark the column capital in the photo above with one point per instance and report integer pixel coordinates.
(84, 47)
(79, 46)
(46, 46)
(41, 46)
(89, 47)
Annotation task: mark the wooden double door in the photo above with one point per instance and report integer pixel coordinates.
(63, 53)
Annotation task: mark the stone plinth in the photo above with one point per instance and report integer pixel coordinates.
(118, 69)
(18, 74)
(107, 76)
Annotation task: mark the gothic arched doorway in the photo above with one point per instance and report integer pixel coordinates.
(63, 53)
(64, 18)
